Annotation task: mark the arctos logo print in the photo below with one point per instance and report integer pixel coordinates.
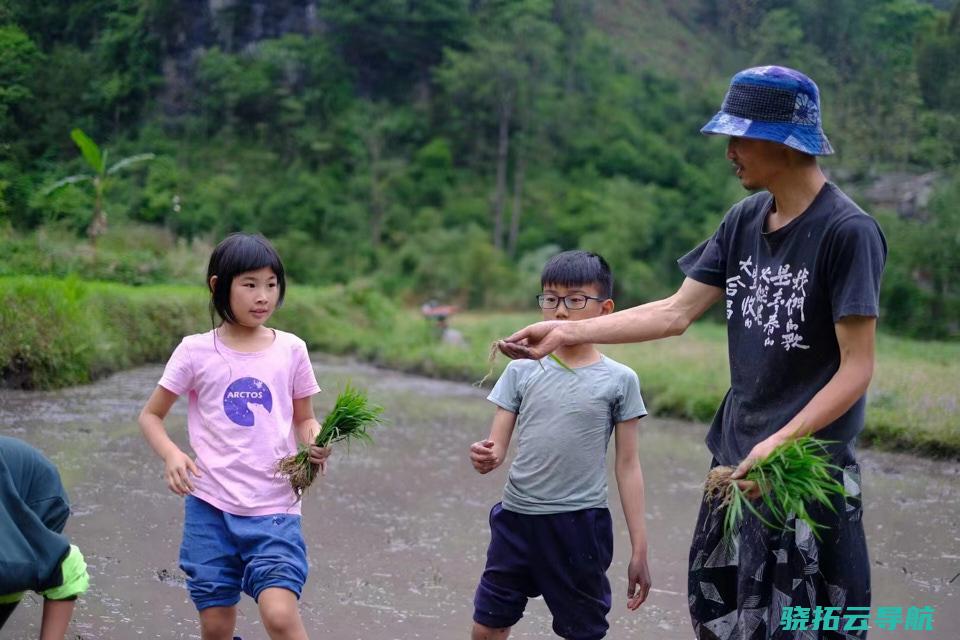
(241, 399)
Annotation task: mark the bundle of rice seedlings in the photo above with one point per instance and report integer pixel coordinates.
(795, 474)
(349, 420)
(495, 348)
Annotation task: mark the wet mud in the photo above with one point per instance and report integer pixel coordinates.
(397, 531)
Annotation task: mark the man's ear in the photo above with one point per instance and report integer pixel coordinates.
(212, 283)
(607, 306)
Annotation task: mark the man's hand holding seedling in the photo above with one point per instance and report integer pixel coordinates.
(760, 451)
(536, 341)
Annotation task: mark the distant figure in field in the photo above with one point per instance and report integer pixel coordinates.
(441, 313)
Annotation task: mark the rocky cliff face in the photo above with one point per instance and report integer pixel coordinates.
(231, 25)
(907, 194)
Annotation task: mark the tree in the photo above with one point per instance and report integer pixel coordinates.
(97, 161)
(392, 45)
(938, 62)
(18, 62)
(920, 296)
(376, 166)
(129, 54)
(937, 257)
(505, 73)
(870, 84)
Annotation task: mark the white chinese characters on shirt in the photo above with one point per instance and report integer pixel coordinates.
(771, 300)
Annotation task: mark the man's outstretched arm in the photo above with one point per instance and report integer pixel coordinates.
(652, 321)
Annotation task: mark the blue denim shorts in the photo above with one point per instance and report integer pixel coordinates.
(223, 554)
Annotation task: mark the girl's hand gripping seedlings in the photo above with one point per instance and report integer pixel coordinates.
(349, 419)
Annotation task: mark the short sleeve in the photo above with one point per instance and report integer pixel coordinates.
(857, 256)
(506, 393)
(707, 263)
(178, 374)
(304, 379)
(629, 402)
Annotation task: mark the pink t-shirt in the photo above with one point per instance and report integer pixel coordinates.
(240, 418)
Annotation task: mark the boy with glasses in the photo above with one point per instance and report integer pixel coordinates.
(552, 533)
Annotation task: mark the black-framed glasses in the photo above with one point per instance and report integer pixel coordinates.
(572, 302)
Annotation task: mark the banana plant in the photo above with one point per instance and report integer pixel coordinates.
(97, 161)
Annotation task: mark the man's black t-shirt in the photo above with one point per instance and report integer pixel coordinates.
(784, 292)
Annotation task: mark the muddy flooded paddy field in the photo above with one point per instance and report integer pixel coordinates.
(397, 532)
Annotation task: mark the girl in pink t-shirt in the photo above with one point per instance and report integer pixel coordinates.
(249, 390)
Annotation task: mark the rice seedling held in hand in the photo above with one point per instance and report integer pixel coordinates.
(495, 347)
(351, 416)
(796, 474)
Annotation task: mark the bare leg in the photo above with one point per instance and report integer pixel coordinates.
(481, 632)
(280, 614)
(218, 623)
(56, 619)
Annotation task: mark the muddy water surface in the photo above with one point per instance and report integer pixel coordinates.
(397, 532)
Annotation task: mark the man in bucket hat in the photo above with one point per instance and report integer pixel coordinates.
(799, 265)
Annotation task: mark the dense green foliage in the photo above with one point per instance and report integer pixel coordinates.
(442, 149)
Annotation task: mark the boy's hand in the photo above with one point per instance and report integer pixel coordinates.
(318, 456)
(638, 582)
(484, 456)
(177, 469)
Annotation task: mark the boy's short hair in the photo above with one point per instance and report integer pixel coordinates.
(576, 269)
(236, 254)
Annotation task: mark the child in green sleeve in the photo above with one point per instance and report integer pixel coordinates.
(35, 555)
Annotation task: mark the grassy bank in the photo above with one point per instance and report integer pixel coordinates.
(55, 333)
(59, 332)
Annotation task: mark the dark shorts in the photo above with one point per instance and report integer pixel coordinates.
(223, 554)
(747, 587)
(564, 557)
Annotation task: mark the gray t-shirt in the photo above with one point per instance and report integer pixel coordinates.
(564, 422)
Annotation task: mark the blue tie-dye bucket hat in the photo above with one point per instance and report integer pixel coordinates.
(773, 103)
